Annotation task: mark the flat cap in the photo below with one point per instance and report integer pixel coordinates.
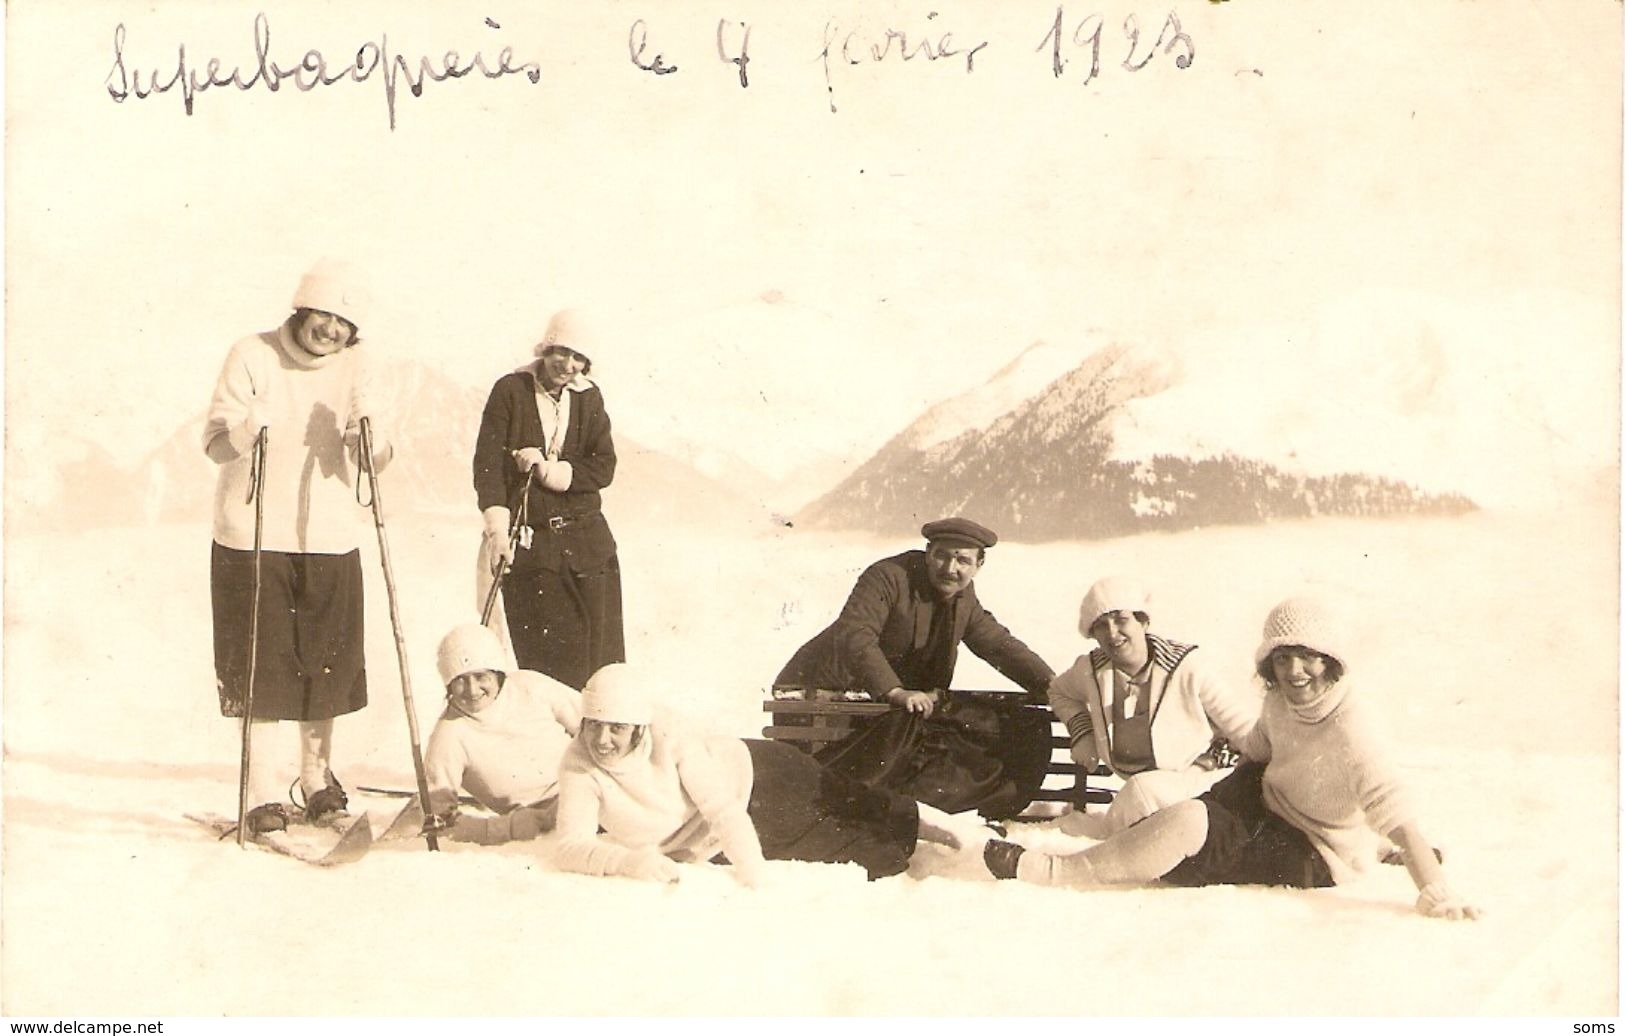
(959, 530)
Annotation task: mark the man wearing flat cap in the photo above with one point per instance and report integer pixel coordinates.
(1146, 706)
(898, 638)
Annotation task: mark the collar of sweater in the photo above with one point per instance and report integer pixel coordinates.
(639, 759)
(1322, 707)
(299, 357)
(1162, 654)
(579, 383)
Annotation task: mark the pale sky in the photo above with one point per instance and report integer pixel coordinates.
(785, 282)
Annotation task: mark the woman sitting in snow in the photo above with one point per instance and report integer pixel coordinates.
(661, 796)
(1299, 812)
(500, 739)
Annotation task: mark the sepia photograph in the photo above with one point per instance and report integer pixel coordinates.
(866, 509)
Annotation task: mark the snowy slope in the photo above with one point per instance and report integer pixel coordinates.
(1492, 655)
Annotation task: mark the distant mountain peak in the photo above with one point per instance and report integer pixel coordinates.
(1037, 450)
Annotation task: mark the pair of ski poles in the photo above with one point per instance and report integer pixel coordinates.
(257, 490)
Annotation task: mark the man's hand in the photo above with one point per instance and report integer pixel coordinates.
(912, 701)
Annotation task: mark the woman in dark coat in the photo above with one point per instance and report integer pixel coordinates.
(543, 454)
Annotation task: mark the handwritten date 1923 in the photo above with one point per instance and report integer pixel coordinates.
(1089, 30)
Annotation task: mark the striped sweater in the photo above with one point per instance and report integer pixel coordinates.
(1188, 705)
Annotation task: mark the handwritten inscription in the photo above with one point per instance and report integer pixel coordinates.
(856, 48)
(1067, 42)
(311, 71)
(637, 42)
(1087, 34)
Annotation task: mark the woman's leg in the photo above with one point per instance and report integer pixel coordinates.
(263, 783)
(315, 755)
(1136, 856)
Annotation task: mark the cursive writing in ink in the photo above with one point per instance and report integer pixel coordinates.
(744, 50)
(311, 71)
(1087, 33)
(856, 49)
(637, 40)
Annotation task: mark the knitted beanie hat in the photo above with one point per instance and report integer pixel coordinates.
(1112, 594)
(469, 649)
(1304, 622)
(618, 693)
(571, 330)
(336, 287)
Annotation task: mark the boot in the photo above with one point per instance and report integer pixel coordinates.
(272, 816)
(1001, 858)
(329, 804)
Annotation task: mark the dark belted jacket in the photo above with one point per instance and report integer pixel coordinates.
(570, 530)
(882, 638)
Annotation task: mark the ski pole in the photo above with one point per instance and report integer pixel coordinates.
(520, 515)
(257, 490)
(395, 622)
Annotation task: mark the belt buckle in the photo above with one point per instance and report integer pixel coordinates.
(557, 522)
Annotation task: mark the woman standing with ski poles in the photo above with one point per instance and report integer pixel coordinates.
(285, 567)
(543, 455)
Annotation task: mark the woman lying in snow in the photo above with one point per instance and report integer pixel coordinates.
(661, 796)
(1296, 813)
(500, 739)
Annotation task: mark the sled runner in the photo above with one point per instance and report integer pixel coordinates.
(316, 844)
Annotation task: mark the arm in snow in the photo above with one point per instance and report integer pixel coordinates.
(857, 628)
(1435, 898)
(520, 824)
(990, 641)
(716, 775)
(580, 848)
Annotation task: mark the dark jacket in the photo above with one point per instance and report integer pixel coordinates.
(882, 638)
(511, 422)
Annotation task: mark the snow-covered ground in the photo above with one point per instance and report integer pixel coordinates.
(1490, 642)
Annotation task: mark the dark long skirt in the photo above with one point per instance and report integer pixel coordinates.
(803, 811)
(564, 619)
(310, 663)
(968, 755)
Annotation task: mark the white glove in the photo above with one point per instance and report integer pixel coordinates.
(528, 458)
(753, 875)
(557, 475)
(257, 416)
(652, 866)
(1437, 900)
(496, 536)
